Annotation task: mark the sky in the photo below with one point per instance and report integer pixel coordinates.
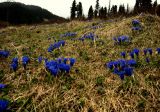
(62, 7)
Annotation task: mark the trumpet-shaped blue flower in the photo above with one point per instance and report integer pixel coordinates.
(64, 67)
(135, 22)
(53, 70)
(158, 50)
(14, 66)
(128, 71)
(56, 45)
(123, 54)
(150, 51)
(145, 51)
(65, 60)
(147, 60)
(121, 74)
(3, 105)
(137, 28)
(15, 60)
(72, 61)
(110, 65)
(59, 60)
(4, 53)
(2, 86)
(121, 39)
(122, 63)
(40, 58)
(132, 55)
(25, 61)
(131, 62)
(136, 51)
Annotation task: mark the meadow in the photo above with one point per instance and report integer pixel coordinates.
(101, 66)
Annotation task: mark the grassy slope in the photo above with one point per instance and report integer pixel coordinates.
(90, 86)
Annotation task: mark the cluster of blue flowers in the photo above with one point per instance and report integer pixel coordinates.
(59, 65)
(3, 105)
(56, 45)
(69, 34)
(14, 64)
(121, 39)
(122, 67)
(125, 67)
(90, 35)
(136, 25)
(135, 53)
(4, 54)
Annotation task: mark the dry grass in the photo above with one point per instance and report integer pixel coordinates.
(89, 86)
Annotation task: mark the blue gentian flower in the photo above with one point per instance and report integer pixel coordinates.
(135, 22)
(14, 66)
(53, 70)
(131, 62)
(158, 50)
(110, 65)
(122, 63)
(119, 39)
(59, 60)
(72, 61)
(121, 74)
(64, 67)
(25, 61)
(115, 63)
(67, 68)
(115, 39)
(147, 60)
(2, 86)
(145, 51)
(136, 28)
(3, 105)
(4, 53)
(128, 71)
(123, 54)
(132, 55)
(150, 51)
(65, 60)
(136, 51)
(15, 60)
(40, 58)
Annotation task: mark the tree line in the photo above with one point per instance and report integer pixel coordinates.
(18, 13)
(145, 6)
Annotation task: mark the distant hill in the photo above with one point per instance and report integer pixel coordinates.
(18, 13)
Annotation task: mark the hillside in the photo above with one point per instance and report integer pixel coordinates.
(89, 86)
(18, 13)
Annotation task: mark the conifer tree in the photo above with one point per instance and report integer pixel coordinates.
(127, 10)
(155, 4)
(73, 10)
(90, 13)
(137, 7)
(79, 10)
(113, 10)
(146, 6)
(96, 9)
(121, 10)
(105, 12)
